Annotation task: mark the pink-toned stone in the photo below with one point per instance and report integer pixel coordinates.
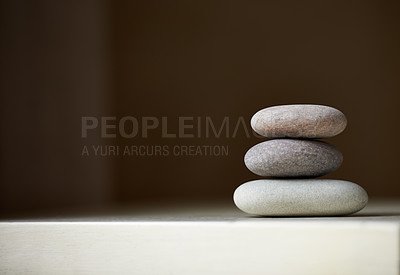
(299, 121)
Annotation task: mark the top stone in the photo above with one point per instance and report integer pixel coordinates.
(299, 121)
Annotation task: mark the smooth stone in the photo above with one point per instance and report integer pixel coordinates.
(292, 158)
(300, 197)
(299, 121)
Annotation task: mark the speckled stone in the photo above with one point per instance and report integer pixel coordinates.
(300, 197)
(292, 158)
(299, 121)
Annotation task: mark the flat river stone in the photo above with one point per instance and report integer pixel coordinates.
(292, 158)
(300, 197)
(299, 121)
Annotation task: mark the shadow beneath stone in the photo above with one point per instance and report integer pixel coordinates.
(374, 215)
(290, 217)
(360, 215)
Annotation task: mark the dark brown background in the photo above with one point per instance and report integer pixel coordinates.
(64, 60)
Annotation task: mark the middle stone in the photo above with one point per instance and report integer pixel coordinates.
(292, 158)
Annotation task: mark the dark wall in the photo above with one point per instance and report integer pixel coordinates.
(232, 58)
(53, 71)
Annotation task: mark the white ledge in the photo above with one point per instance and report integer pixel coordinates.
(218, 239)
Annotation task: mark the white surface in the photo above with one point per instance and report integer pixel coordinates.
(214, 240)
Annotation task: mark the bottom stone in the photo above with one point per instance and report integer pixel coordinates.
(300, 197)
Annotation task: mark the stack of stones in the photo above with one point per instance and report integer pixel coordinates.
(293, 160)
